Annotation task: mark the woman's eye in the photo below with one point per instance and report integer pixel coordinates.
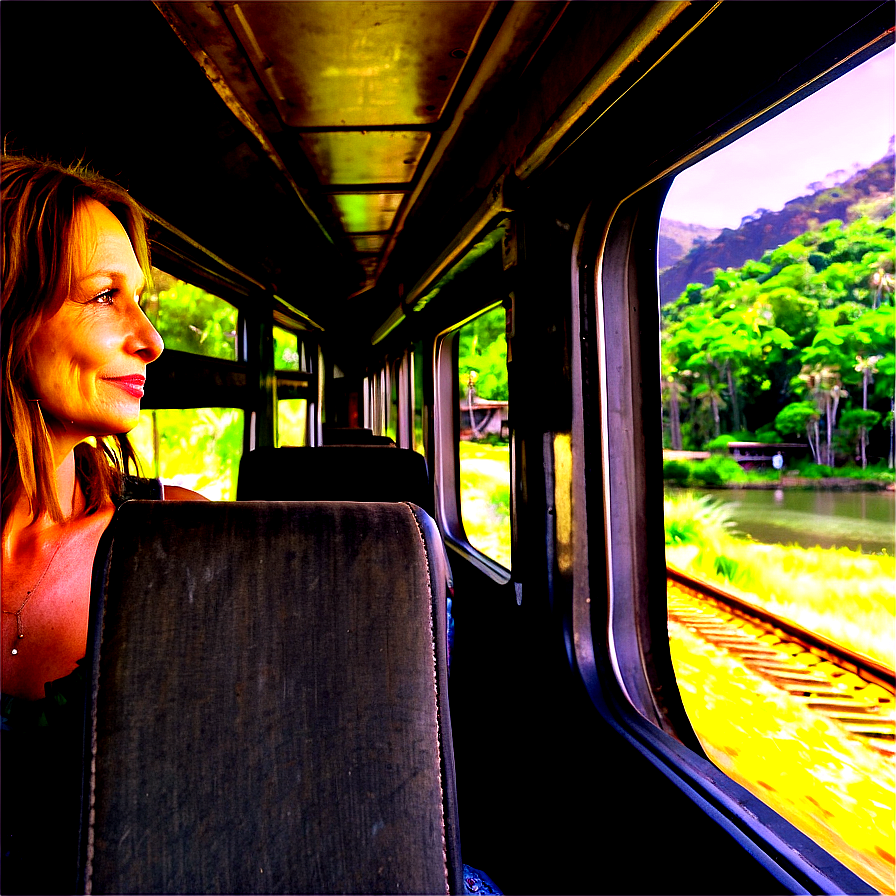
(106, 297)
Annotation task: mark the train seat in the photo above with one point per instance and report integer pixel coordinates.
(353, 435)
(269, 702)
(335, 473)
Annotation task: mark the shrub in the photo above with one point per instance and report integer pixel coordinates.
(719, 445)
(676, 471)
(768, 434)
(691, 520)
(716, 472)
(808, 470)
(726, 568)
(876, 471)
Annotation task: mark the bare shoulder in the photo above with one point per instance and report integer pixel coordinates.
(178, 493)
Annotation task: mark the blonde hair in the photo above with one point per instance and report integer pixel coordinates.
(39, 204)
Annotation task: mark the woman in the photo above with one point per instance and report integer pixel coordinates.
(75, 346)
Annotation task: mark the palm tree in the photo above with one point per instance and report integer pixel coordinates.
(709, 394)
(676, 390)
(826, 388)
(867, 367)
(835, 393)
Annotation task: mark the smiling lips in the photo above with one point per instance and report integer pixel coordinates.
(133, 385)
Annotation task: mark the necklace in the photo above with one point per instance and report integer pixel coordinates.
(20, 626)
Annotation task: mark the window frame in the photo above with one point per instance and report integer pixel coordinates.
(303, 383)
(621, 643)
(446, 455)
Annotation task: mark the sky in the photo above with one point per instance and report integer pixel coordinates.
(777, 161)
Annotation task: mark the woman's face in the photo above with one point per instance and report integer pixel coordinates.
(88, 360)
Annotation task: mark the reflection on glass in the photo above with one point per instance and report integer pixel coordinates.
(198, 448)
(484, 435)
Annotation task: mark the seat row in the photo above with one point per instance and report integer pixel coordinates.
(268, 703)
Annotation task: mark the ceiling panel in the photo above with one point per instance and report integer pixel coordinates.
(365, 157)
(369, 263)
(365, 91)
(363, 212)
(371, 64)
(368, 242)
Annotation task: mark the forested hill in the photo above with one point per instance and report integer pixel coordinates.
(677, 239)
(869, 193)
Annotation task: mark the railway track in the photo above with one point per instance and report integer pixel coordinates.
(853, 690)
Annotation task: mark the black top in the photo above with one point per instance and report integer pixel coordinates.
(41, 772)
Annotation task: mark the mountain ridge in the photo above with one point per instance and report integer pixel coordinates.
(677, 238)
(868, 192)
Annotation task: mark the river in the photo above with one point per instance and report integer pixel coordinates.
(829, 518)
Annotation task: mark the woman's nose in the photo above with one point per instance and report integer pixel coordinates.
(145, 340)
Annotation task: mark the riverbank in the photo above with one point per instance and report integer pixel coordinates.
(815, 515)
(841, 483)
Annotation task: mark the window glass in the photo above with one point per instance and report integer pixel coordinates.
(189, 319)
(392, 383)
(198, 448)
(292, 420)
(286, 350)
(417, 395)
(484, 439)
(375, 411)
(778, 383)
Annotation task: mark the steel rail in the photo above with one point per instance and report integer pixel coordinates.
(864, 666)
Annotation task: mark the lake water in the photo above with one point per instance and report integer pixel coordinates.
(857, 520)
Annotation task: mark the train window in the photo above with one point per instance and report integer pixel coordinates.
(392, 372)
(287, 351)
(375, 401)
(190, 319)
(483, 440)
(198, 448)
(416, 390)
(292, 422)
(777, 330)
(292, 356)
(293, 351)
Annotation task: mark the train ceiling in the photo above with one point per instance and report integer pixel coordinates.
(330, 153)
(339, 154)
(353, 101)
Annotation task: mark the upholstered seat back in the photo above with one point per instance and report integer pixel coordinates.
(269, 708)
(335, 473)
(353, 435)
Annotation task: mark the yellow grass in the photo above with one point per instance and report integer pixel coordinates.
(485, 498)
(844, 595)
(834, 788)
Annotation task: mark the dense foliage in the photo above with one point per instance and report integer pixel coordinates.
(190, 319)
(796, 344)
(482, 354)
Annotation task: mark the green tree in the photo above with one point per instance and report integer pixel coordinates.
(856, 423)
(189, 319)
(798, 418)
(482, 351)
(785, 327)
